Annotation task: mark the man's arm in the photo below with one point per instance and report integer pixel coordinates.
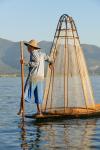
(34, 61)
(48, 59)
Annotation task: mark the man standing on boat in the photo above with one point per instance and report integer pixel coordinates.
(34, 81)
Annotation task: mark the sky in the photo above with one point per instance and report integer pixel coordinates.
(37, 19)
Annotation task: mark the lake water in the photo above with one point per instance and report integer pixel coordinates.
(63, 135)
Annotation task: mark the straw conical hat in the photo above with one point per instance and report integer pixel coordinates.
(32, 43)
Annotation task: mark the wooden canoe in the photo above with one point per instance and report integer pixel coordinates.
(69, 113)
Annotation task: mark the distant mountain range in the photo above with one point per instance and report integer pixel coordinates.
(10, 56)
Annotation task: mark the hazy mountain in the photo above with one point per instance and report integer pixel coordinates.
(92, 55)
(10, 56)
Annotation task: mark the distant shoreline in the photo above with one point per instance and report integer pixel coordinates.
(10, 75)
(19, 75)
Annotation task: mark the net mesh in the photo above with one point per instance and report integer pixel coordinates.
(67, 83)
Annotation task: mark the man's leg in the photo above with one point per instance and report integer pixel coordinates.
(27, 95)
(21, 109)
(38, 93)
(38, 108)
(37, 101)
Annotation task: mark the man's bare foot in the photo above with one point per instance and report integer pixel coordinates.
(39, 114)
(20, 112)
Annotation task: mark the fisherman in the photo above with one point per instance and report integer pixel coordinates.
(35, 78)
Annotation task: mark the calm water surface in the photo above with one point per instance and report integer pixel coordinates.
(67, 134)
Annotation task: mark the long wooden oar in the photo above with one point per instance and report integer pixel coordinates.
(22, 105)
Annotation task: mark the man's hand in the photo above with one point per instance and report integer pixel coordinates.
(24, 62)
(51, 65)
(21, 61)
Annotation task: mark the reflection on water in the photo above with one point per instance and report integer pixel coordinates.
(70, 134)
(23, 135)
(29, 135)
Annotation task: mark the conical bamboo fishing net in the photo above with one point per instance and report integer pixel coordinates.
(67, 83)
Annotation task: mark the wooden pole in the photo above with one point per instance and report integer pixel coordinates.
(22, 77)
(65, 82)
